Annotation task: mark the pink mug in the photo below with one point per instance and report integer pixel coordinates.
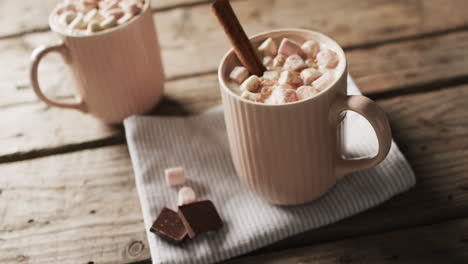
(117, 72)
(291, 153)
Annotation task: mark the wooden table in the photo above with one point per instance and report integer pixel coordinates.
(67, 193)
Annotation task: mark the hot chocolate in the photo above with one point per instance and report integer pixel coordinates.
(85, 17)
(295, 71)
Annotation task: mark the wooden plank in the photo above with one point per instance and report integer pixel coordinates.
(435, 244)
(71, 209)
(192, 42)
(62, 190)
(376, 70)
(382, 69)
(18, 17)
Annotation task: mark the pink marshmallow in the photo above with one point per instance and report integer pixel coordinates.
(295, 63)
(327, 58)
(310, 48)
(175, 176)
(239, 74)
(289, 47)
(305, 92)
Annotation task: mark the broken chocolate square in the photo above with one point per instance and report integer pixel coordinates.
(199, 217)
(169, 226)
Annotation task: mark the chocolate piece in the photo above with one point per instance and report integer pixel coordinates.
(168, 225)
(199, 217)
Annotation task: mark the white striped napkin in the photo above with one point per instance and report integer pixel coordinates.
(199, 143)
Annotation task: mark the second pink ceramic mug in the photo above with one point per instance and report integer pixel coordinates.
(117, 72)
(291, 154)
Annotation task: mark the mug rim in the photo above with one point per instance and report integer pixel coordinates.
(225, 87)
(59, 30)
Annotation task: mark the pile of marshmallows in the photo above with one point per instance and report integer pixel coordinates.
(294, 72)
(89, 16)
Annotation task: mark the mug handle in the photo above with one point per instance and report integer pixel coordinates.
(377, 118)
(36, 57)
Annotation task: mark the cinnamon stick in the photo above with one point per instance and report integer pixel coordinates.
(240, 42)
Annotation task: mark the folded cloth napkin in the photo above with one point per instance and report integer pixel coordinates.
(199, 143)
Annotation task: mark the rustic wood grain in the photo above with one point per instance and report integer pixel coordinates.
(20, 17)
(192, 42)
(395, 66)
(435, 244)
(387, 68)
(60, 192)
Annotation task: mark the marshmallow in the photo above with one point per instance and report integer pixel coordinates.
(108, 22)
(311, 63)
(289, 47)
(272, 75)
(92, 15)
(67, 17)
(77, 23)
(124, 19)
(93, 26)
(266, 82)
(305, 92)
(268, 61)
(131, 8)
(175, 176)
(310, 48)
(185, 195)
(309, 75)
(256, 97)
(115, 12)
(268, 48)
(266, 91)
(239, 74)
(294, 63)
(290, 77)
(324, 81)
(251, 84)
(327, 58)
(282, 96)
(279, 60)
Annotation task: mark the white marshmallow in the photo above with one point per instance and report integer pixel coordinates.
(309, 75)
(185, 195)
(67, 17)
(290, 77)
(268, 62)
(289, 47)
(93, 26)
(294, 63)
(124, 19)
(283, 96)
(272, 75)
(175, 176)
(323, 81)
(92, 15)
(108, 22)
(77, 23)
(279, 60)
(327, 58)
(115, 12)
(310, 48)
(311, 63)
(251, 84)
(305, 92)
(256, 97)
(239, 74)
(268, 48)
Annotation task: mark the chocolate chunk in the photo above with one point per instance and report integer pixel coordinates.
(199, 217)
(169, 226)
